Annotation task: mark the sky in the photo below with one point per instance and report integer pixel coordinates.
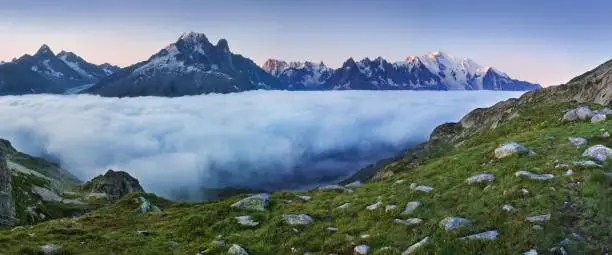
(547, 42)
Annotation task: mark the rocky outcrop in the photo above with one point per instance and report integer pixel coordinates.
(114, 184)
(7, 205)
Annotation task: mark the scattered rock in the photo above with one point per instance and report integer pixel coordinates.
(598, 152)
(558, 251)
(353, 185)
(362, 249)
(297, 219)
(577, 141)
(452, 223)
(570, 115)
(488, 235)
(257, 202)
(408, 222)
(332, 229)
(411, 206)
(142, 232)
(531, 252)
(584, 113)
(537, 227)
(374, 206)
(114, 184)
(535, 177)
(598, 118)
(605, 135)
(508, 208)
(344, 206)
(569, 172)
(146, 206)
(421, 188)
(484, 177)
(562, 165)
(399, 182)
(416, 246)
(336, 187)
(524, 191)
(538, 218)
(246, 221)
(390, 207)
(586, 163)
(509, 149)
(304, 198)
(49, 248)
(236, 250)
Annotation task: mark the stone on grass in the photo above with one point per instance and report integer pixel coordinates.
(487, 235)
(453, 223)
(304, 198)
(508, 208)
(236, 250)
(586, 163)
(535, 177)
(365, 236)
(257, 202)
(353, 185)
(362, 249)
(147, 207)
(569, 172)
(142, 232)
(335, 187)
(421, 188)
(531, 252)
(411, 206)
(246, 221)
(332, 229)
(570, 115)
(584, 113)
(408, 222)
(538, 218)
(390, 207)
(344, 206)
(297, 219)
(374, 206)
(598, 118)
(558, 251)
(509, 149)
(598, 152)
(49, 248)
(577, 141)
(413, 248)
(479, 178)
(173, 244)
(605, 135)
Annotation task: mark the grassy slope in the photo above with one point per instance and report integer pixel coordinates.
(111, 230)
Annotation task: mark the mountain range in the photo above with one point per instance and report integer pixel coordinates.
(193, 65)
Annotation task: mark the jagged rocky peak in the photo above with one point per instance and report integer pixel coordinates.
(44, 50)
(223, 45)
(114, 184)
(193, 37)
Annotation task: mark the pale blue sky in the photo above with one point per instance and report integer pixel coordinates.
(541, 41)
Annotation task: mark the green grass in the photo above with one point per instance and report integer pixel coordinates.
(585, 209)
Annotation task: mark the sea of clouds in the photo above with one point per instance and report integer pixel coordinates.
(264, 140)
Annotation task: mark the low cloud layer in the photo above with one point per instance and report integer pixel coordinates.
(260, 140)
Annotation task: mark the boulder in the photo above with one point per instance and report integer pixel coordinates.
(535, 177)
(538, 218)
(362, 249)
(390, 207)
(7, 204)
(421, 188)
(114, 184)
(586, 163)
(570, 115)
(411, 206)
(509, 149)
(605, 135)
(246, 221)
(598, 152)
(598, 118)
(344, 206)
(335, 187)
(297, 219)
(584, 113)
(507, 208)
(488, 235)
(531, 252)
(147, 207)
(577, 141)
(408, 222)
(453, 223)
(257, 202)
(374, 206)
(484, 177)
(236, 250)
(413, 248)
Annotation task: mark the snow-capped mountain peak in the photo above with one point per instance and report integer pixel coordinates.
(45, 51)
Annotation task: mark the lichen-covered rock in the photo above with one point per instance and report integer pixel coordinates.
(484, 177)
(598, 118)
(535, 177)
(297, 219)
(257, 202)
(453, 223)
(7, 205)
(236, 250)
(411, 206)
(246, 221)
(488, 235)
(147, 207)
(598, 152)
(413, 248)
(509, 149)
(113, 183)
(577, 141)
(538, 218)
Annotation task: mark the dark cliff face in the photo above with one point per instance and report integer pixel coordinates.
(7, 205)
(114, 184)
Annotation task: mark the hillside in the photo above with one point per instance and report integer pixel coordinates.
(519, 176)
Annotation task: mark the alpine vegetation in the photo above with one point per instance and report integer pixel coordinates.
(271, 139)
